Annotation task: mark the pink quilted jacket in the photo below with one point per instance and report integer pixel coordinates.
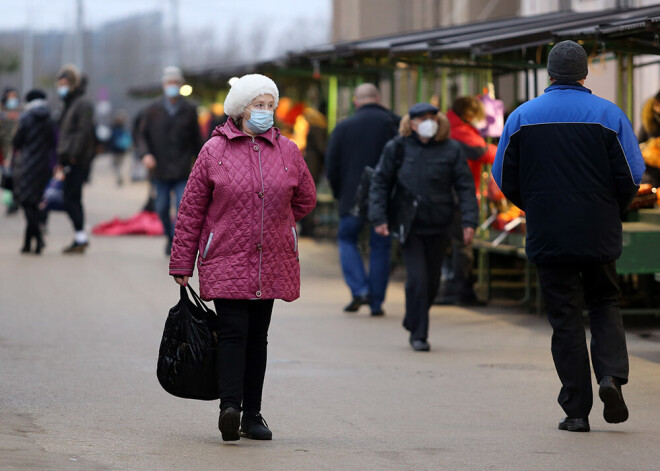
(239, 212)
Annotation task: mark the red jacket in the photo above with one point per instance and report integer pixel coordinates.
(239, 212)
(476, 149)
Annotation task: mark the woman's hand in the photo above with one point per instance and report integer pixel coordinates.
(181, 280)
(468, 235)
(382, 229)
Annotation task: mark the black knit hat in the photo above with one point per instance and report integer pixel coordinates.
(34, 94)
(568, 61)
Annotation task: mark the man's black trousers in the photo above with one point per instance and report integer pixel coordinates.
(422, 255)
(566, 288)
(242, 351)
(72, 194)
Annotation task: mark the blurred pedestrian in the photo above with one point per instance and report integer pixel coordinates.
(9, 114)
(34, 142)
(120, 142)
(463, 117)
(316, 143)
(649, 138)
(169, 140)
(75, 150)
(433, 168)
(356, 143)
(218, 118)
(246, 191)
(570, 160)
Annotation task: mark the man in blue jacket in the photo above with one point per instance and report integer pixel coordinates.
(571, 161)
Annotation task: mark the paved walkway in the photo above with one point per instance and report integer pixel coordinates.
(79, 338)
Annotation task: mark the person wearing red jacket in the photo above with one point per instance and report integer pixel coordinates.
(464, 113)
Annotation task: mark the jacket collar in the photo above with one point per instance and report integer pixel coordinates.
(231, 131)
(561, 85)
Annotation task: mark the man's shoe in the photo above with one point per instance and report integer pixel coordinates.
(75, 247)
(254, 426)
(355, 304)
(228, 424)
(420, 345)
(615, 410)
(377, 313)
(574, 424)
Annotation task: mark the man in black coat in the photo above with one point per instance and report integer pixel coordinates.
(75, 149)
(356, 143)
(169, 141)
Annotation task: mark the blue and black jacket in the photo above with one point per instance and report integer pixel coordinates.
(571, 161)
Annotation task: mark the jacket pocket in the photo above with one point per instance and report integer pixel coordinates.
(208, 245)
(295, 238)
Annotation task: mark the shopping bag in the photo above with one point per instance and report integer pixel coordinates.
(6, 179)
(53, 199)
(187, 356)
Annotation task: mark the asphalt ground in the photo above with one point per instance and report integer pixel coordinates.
(79, 339)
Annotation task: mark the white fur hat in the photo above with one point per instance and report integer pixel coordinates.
(246, 89)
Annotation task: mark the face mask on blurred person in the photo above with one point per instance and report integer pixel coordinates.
(62, 91)
(172, 91)
(12, 103)
(260, 121)
(427, 128)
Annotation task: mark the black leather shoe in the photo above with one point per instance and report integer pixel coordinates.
(615, 410)
(574, 424)
(228, 424)
(355, 304)
(254, 426)
(377, 312)
(420, 345)
(75, 247)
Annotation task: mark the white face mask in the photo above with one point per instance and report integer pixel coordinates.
(427, 128)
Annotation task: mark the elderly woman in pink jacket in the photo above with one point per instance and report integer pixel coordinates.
(238, 217)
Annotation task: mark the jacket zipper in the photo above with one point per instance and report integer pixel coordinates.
(208, 245)
(263, 209)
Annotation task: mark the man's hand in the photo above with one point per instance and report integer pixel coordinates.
(149, 161)
(382, 230)
(181, 280)
(468, 235)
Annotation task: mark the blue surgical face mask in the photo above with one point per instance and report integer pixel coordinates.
(260, 121)
(12, 103)
(172, 91)
(62, 91)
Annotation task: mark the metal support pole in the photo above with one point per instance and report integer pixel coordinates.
(444, 90)
(333, 88)
(420, 84)
(630, 85)
(619, 80)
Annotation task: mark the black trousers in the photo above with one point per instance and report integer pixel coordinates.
(566, 287)
(72, 192)
(33, 218)
(242, 351)
(423, 256)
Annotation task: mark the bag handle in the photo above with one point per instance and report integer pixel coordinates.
(195, 298)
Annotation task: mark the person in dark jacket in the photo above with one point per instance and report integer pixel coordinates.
(34, 142)
(571, 161)
(169, 141)
(75, 149)
(356, 143)
(435, 170)
(649, 138)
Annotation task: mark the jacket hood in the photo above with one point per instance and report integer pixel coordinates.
(650, 119)
(231, 131)
(38, 108)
